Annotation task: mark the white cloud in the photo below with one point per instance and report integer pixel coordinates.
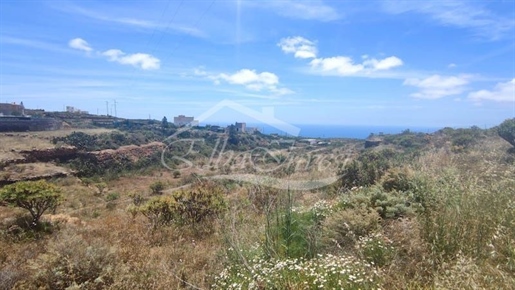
(304, 48)
(141, 60)
(301, 9)
(264, 82)
(436, 86)
(345, 66)
(502, 92)
(451, 65)
(383, 64)
(128, 20)
(458, 13)
(299, 46)
(341, 64)
(80, 44)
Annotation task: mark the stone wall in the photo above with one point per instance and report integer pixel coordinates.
(24, 124)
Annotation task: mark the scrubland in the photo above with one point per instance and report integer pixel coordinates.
(418, 212)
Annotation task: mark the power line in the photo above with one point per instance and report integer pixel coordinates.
(194, 26)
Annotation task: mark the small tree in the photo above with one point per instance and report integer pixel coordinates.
(34, 196)
(157, 187)
(507, 131)
(204, 202)
(164, 123)
(101, 187)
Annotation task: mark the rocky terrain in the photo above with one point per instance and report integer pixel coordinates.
(32, 156)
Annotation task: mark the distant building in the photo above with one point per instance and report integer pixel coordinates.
(240, 127)
(372, 141)
(252, 130)
(35, 112)
(70, 109)
(215, 128)
(12, 109)
(309, 141)
(182, 120)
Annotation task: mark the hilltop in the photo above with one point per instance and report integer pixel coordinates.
(146, 207)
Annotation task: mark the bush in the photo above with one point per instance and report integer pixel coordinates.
(199, 204)
(101, 187)
(34, 196)
(157, 187)
(112, 196)
(376, 249)
(506, 130)
(159, 211)
(72, 261)
(387, 204)
(185, 207)
(288, 234)
(322, 272)
(80, 140)
(344, 228)
(366, 170)
(398, 179)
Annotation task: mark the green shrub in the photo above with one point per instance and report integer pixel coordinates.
(367, 169)
(101, 187)
(34, 196)
(376, 249)
(80, 140)
(506, 130)
(344, 228)
(72, 262)
(321, 272)
(392, 204)
(112, 196)
(462, 139)
(157, 187)
(398, 179)
(185, 207)
(292, 233)
(198, 204)
(159, 211)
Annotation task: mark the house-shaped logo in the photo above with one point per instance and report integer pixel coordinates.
(257, 176)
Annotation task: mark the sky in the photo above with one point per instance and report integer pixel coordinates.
(399, 63)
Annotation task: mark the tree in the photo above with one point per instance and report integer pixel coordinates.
(507, 131)
(157, 187)
(164, 123)
(101, 187)
(34, 196)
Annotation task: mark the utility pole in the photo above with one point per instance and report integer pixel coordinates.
(107, 108)
(115, 115)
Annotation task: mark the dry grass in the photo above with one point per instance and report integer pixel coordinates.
(27, 170)
(11, 143)
(97, 244)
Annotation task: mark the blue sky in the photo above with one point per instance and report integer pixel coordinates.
(407, 63)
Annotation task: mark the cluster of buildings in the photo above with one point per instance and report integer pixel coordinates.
(184, 121)
(73, 110)
(12, 109)
(18, 110)
(181, 121)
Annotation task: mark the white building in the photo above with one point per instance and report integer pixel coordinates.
(182, 120)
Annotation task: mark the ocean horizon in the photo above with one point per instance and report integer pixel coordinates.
(340, 131)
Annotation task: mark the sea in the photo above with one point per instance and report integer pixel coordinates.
(342, 131)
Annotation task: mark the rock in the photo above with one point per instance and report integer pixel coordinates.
(373, 142)
(44, 155)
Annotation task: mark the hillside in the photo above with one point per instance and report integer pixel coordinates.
(417, 211)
